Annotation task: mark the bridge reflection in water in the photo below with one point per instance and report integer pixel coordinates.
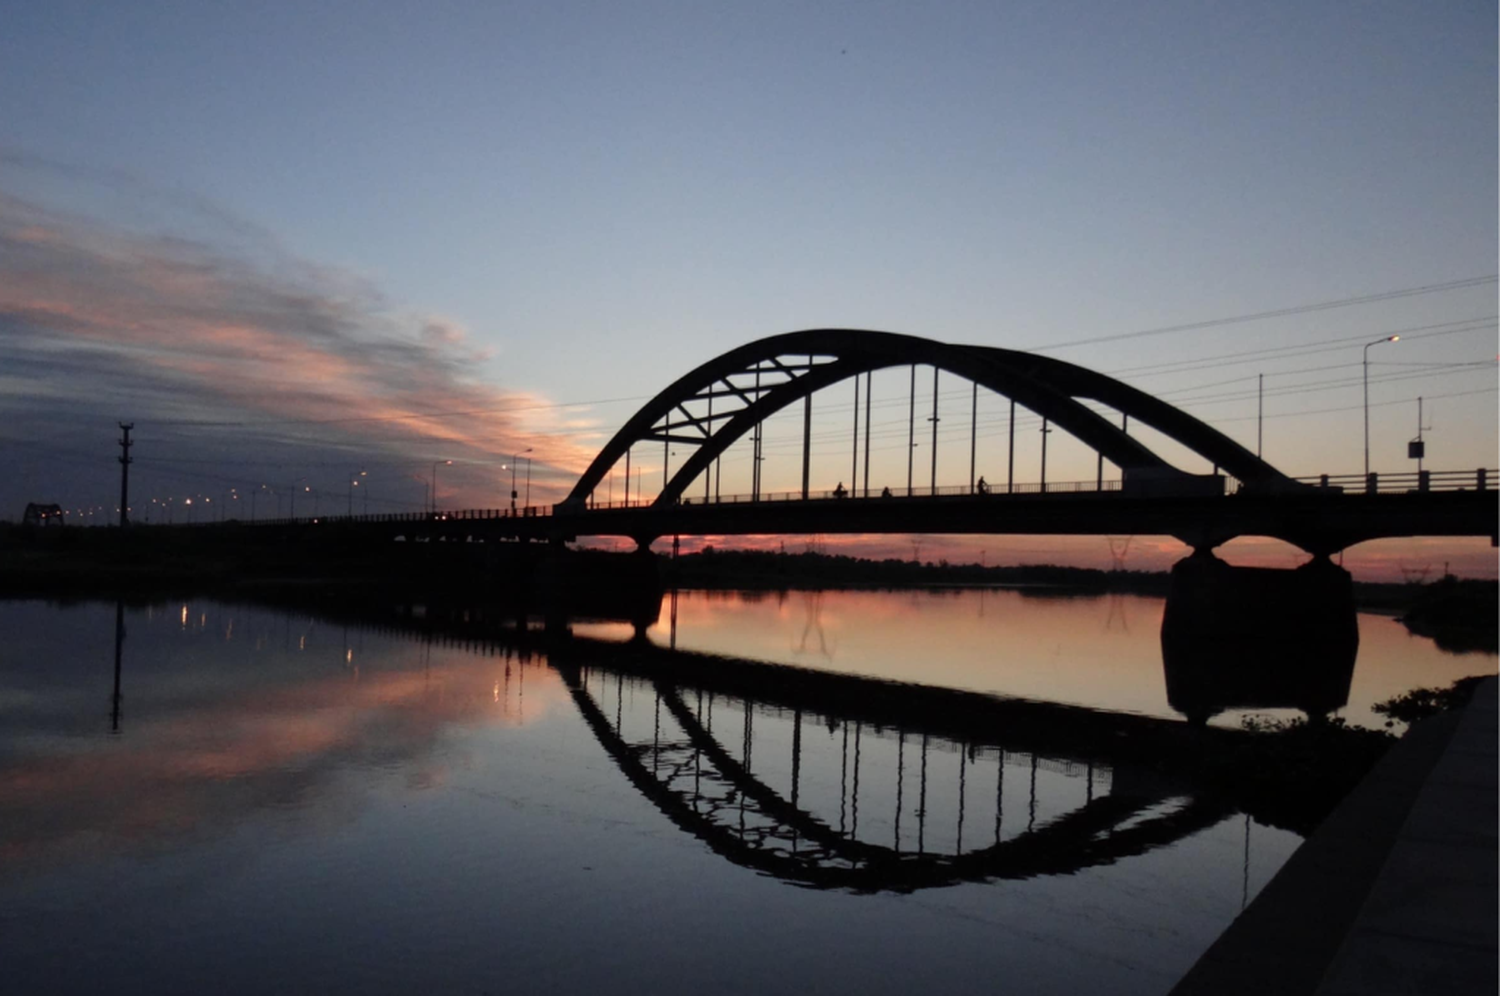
(835, 781)
(840, 803)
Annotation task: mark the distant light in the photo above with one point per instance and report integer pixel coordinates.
(1395, 338)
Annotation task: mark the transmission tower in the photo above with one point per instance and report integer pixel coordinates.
(1119, 549)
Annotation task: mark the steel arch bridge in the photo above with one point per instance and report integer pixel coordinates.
(729, 397)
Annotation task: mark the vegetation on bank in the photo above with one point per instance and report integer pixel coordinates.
(714, 568)
(1459, 616)
(1294, 772)
(1421, 703)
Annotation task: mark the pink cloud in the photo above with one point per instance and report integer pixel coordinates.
(230, 340)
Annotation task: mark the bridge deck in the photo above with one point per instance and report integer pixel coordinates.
(1319, 519)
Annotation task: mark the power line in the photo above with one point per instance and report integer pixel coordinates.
(1355, 408)
(1300, 309)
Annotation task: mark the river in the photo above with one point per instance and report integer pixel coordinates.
(257, 800)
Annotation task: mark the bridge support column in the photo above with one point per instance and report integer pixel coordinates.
(1245, 637)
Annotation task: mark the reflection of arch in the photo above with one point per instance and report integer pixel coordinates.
(1103, 830)
(760, 378)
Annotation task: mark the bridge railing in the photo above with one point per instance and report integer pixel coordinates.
(442, 515)
(884, 494)
(1405, 482)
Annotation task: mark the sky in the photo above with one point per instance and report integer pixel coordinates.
(270, 235)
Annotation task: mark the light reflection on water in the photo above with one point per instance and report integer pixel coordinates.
(286, 803)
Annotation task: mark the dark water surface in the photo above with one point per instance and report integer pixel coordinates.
(276, 803)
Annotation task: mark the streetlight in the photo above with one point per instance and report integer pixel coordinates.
(354, 476)
(528, 477)
(1389, 338)
(435, 465)
(513, 461)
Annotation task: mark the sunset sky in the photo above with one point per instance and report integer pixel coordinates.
(270, 235)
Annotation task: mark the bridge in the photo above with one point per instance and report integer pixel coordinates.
(729, 399)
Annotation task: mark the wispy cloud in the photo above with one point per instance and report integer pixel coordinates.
(175, 331)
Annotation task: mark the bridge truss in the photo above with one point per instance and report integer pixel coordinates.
(731, 396)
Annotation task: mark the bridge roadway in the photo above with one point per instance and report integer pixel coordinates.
(1318, 520)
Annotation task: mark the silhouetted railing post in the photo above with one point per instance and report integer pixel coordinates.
(1481, 479)
(1424, 480)
(1372, 481)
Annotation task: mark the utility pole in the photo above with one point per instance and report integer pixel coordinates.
(124, 458)
(869, 388)
(1010, 457)
(1045, 432)
(934, 421)
(1260, 408)
(1421, 447)
(911, 429)
(973, 433)
(806, 438)
(854, 446)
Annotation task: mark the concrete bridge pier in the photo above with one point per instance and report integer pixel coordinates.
(593, 584)
(1253, 638)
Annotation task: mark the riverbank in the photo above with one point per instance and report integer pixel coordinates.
(1460, 615)
(1395, 892)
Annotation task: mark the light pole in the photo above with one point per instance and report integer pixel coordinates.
(528, 477)
(1389, 338)
(354, 476)
(435, 465)
(515, 459)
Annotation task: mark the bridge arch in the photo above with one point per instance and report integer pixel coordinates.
(760, 378)
(1102, 830)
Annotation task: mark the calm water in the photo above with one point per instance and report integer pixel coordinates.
(279, 803)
